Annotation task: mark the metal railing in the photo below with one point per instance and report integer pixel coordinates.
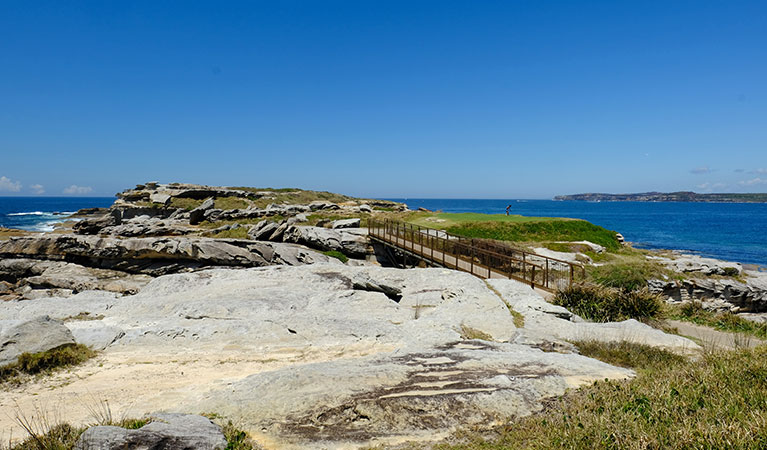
(486, 259)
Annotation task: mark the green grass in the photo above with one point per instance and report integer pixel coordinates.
(519, 228)
(236, 233)
(628, 275)
(628, 354)
(45, 362)
(605, 304)
(559, 247)
(723, 321)
(250, 221)
(185, 203)
(337, 255)
(717, 402)
(231, 203)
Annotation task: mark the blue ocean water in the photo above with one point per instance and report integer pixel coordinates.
(40, 213)
(728, 231)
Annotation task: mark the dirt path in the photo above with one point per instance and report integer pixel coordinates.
(711, 338)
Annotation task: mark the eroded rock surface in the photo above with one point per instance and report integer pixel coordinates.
(325, 355)
(34, 335)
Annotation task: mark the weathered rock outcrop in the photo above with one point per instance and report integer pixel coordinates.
(694, 263)
(325, 356)
(717, 294)
(38, 334)
(157, 256)
(164, 432)
(351, 242)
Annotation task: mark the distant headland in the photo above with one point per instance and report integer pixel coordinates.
(684, 196)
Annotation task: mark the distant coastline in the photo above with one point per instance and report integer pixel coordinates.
(683, 196)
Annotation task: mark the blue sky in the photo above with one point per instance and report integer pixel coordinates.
(509, 99)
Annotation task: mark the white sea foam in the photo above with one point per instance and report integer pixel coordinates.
(31, 213)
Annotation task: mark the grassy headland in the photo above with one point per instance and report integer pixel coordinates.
(515, 228)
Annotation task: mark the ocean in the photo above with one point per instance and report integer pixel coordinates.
(728, 231)
(41, 213)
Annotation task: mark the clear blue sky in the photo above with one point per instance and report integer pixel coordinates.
(474, 99)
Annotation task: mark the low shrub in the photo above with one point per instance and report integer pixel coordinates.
(606, 304)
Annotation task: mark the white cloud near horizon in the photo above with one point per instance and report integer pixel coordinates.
(78, 190)
(710, 186)
(700, 170)
(38, 188)
(6, 184)
(760, 171)
(753, 182)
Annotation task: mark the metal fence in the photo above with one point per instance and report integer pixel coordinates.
(484, 258)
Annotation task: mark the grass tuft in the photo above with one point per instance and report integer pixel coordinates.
(605, 304)
(33, 363)
(468, 332)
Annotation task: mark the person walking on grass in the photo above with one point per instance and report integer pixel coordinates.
(508, 208)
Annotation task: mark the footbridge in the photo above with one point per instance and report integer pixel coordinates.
(480, 257)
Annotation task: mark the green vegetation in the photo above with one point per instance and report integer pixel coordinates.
(250, 221)
(559, 247)
(234, 233)
(58, 437)
(606, 304)
(296, 196)
(336, 254)
(628, 354)
(47, 361)
(517, 228)
(628, 275)
(231, 203)
(237, 439)
(723, 321)
(717, 402)
(185, 203)
(82, 316)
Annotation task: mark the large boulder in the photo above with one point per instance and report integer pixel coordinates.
(346, 223)
(165, 432)
(353, 243)
(31, 336)
(197, 215)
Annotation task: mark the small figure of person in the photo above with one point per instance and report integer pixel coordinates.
(508, 208)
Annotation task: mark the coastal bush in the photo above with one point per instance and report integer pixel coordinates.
(719, 401)
(724, 321)
(47, 361)
(538, 231)
(606, 304)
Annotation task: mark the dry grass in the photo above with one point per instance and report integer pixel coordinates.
(44, 362)
(717, 402)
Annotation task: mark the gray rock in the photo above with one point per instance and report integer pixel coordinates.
(346, 223)
(157, 197)
(95, 333)
(366, 208)
(346, 242)
(165, 432)
(197, 215)
(32, 336)
(263, 230)
(153, 256)
(319, 205)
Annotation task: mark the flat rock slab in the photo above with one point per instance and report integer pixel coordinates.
(411, 394)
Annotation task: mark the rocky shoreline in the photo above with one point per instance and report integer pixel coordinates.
(236, 302)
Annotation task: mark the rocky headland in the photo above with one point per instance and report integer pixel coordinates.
(272, 309)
